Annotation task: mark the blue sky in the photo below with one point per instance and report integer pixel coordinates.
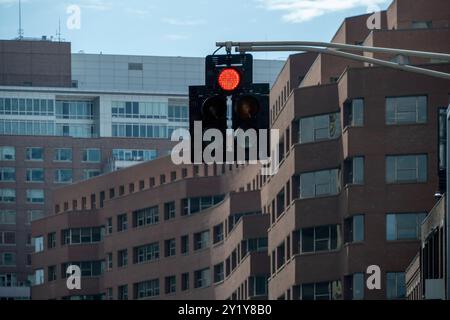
(180, 27)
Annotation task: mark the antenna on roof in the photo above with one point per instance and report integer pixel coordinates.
(20, 21)
(58, 32)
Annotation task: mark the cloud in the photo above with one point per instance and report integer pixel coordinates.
(97, 5)
(177, 37)
(296, 11)
(184, 22)
(139, 12)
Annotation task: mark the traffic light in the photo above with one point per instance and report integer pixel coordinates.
(229, 99)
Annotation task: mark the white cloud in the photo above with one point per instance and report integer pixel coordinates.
(184, 22)
(304, 10)
(139, 12)
(97, 5)
(177, 37)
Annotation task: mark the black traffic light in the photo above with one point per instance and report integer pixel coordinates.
(229, 99)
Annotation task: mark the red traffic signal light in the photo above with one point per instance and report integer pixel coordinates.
(229, 79)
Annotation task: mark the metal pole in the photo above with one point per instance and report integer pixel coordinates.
(356, 57)
(243, 46)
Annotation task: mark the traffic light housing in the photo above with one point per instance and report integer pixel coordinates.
(229, 99)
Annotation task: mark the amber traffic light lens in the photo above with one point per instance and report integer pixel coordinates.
(229, 79)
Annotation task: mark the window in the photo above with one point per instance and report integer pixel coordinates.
(7, 195)
(122, 222)
(122, 258)
(7, 174)
(218, 273)
(90, 173)
(8, 238)
(51, 271)
(137, 130)
(354, 229)
(35, 175)
(202, 278)
(319, 183)
(201, 240)
(91, 155)
(7, 259)
(63, 176)
(357, 286)
(169, 210)
(178, 113)
(35, 154)
(7, 217)
(63, 155)
(406, 110)
(35, 196)
(134, 155)
(123, 292)
(146, 289)
(218, 233)
(406, 169)
(76, 130)
(135, 66)
(33, 215)
(146, 253)
(254, 245)
(170, 284)
(8, 280)
(82, 235)
(38, 244)
(317, 128)
(7, 153)
(88, 268)
(442, 138)
(404, 226)
(51, 240)
(139, 110)
(184, 281)
(109, 227)
(78, 110)
(27, 127)
(319, 291)
(354, 171)
(184, 244)
(395, 285)
(422, 24)
(194, 205)
(38, 277)
(257, 286)
(147, 216)
(324, 238)
(354, 113)
(169, 248)
(109, 260)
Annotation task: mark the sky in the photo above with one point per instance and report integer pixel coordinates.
(178, 27)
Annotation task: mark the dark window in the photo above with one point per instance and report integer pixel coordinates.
(123, 292)
(122, 222)
(354, 171)
(136, 66)
(218, 233)
(51, 240)
(184, 281)
(169, 247)
(354, 229)
(218, 272)
(184, 244)
(122, 258)
(169, 210)
(170, 284)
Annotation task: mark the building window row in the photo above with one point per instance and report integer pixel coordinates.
(26, 107)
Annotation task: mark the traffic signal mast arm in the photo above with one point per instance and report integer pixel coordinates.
(334, 49)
